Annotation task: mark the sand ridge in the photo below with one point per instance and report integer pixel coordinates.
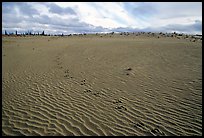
(96, 85)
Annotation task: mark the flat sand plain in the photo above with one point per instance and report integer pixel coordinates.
(92, 85)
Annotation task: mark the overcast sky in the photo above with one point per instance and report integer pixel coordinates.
(92, 17)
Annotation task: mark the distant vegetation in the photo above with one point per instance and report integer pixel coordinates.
(29, 33)
(25, 33)
(148, 34)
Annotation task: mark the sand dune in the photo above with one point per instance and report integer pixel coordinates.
(92, 85)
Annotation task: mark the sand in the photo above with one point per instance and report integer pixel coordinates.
(108, 85)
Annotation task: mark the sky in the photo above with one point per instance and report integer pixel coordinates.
(97, 17)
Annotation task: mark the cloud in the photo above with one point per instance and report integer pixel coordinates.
(141, 10)
(27, 9)
(179, 9)
(19, 8)
(196, 27)
(53, 8)
(81, 17)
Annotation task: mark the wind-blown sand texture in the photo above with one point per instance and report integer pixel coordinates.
(101, 85)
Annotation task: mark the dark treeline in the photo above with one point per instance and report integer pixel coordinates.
(25, 33)
(35, 34)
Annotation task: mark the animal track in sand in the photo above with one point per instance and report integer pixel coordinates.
(117, 101)
(83, 82)
(58, 61)
(95, 93)
(119, 105)
(67, 74)
(87, 90)
(66, 71)
(127, 71)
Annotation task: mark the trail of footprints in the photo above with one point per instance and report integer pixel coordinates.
(67, 76)
(59, 63)
(84, 82)
(118, 104)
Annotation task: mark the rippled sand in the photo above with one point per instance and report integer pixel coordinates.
(92, 85)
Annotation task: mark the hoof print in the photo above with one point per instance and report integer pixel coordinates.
(120, 108)
(83, 82)
(87, 90)
(66, 76)
(66, 71)
(117, 101)
(119, 104)
(96, 94)
(129, 69)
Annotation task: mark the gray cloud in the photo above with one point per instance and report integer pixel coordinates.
(10, 16)
(8, 7)
(194, 28)
(124, 29)
(50, 25)
(141, 10)
(24, 8)
(144, 10)
(53, 8)
(27, 9)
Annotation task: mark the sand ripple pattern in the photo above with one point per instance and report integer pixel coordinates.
(71, 100)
